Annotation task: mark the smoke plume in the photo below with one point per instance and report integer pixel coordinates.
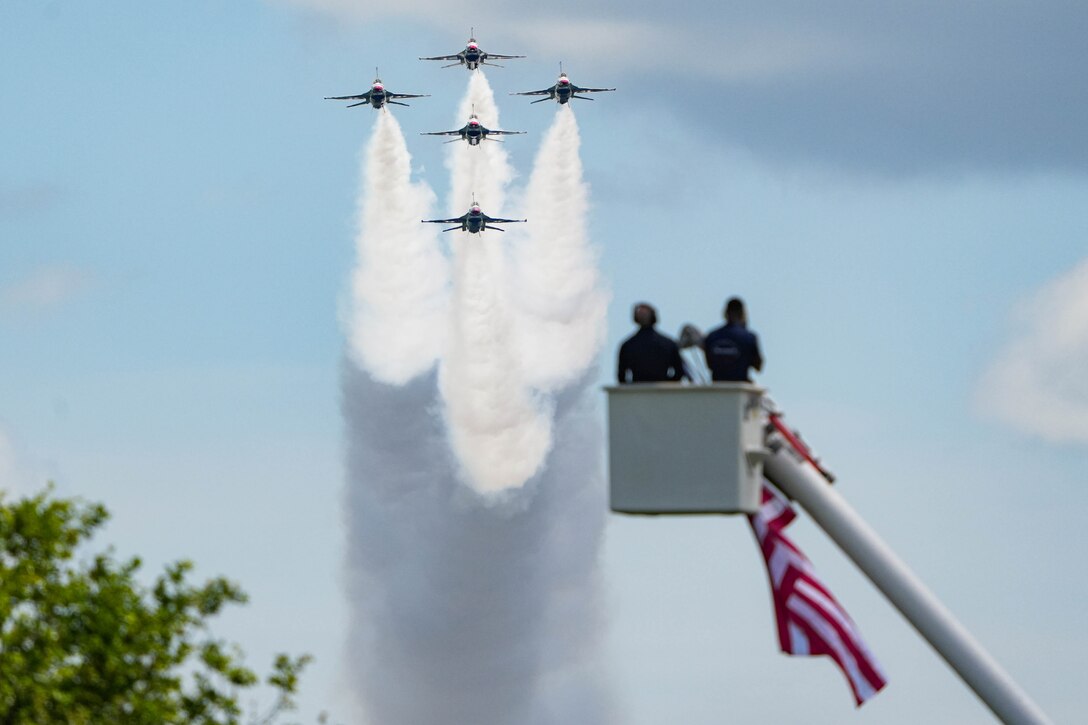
(559, 290)
(466, 612)
(399, 284)
(498, 430)
(475, 503)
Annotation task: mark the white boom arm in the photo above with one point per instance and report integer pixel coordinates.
(800, 480)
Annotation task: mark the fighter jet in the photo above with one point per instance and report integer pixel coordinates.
(472, 56)
(563, 90)
(473, 221)
(474, 132)
(377, 96)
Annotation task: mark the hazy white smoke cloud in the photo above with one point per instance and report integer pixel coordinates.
(465, 612)
(1038, 383)
(559, 289)
(498, 430)
(399, 285)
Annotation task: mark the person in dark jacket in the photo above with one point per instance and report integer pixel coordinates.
(648, 356)
(731, 350)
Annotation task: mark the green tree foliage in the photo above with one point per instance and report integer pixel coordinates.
(83, 642)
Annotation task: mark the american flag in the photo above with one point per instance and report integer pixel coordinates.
(810, 621)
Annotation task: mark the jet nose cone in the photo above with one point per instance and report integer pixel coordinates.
(475, 210)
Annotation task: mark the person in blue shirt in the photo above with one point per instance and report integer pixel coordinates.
(731, 350)
(648, 356)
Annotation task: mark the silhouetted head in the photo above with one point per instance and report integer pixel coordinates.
(644, 315)
(734, 311)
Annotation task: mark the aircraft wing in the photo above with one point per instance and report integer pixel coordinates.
(439, 133)
(503, 57)
(578, 89)
(443, 57)
(503, 133)
(490, 219)
(365, 96)
(544, 92)
(456, 220)
(407, 95)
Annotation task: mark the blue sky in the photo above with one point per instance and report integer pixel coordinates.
(896, 190)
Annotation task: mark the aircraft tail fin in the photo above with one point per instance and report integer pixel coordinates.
(541, 100)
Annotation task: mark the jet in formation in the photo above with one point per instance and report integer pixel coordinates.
(473, 221)
(562, 91)
(472, 57)
(474, 132)
(377, 96)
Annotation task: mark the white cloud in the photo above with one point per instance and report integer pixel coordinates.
(46, 288)
(693, 46)
(1038, 383)
(832, 82)
(28, 199)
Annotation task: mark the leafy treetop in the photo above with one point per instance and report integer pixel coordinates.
(84, 642)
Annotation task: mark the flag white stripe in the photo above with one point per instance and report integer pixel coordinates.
(781, 558)
(831, 637)
(773, 508)
(829, 607)
(834, 610)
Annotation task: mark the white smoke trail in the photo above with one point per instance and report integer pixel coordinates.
(400, 281)
(469, 609)
(483, 170)
(559, 289)
(498, 430)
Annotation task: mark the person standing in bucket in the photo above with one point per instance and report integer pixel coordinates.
(648, 356)
(732, 349)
